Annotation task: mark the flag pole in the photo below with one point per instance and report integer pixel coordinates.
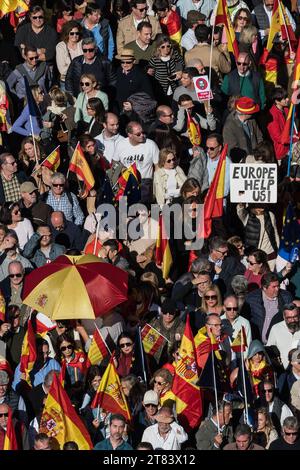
(96, 236)
(49, 155)
(291, 141)
(285, 26)
(142, 354)
(33, 138)
(243, 372)
(103, 339)
(215, 388)
(210, 56)
(158, 332)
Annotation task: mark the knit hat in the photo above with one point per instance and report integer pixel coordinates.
(194, 16)
(246, 105)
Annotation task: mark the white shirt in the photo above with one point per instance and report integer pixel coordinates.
(281, 337)
(24, 230)
(145, 155)
(237, 325)
(285, 412)
(173, 441)
(110, 144)
(188, 40)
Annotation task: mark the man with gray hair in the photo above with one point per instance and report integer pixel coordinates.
(236, 321)
(10, 179)
(62, 200)
(286, 334)
(289, 439)
(216, 432)
(91, 62)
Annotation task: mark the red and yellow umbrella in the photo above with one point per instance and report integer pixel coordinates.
(75, 287)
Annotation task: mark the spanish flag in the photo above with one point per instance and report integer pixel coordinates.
(223, 18)
(152, 339)
(163, 253)
(194, 130)
(185, 388)
(53, 160)
(239, 344)
(110, 396)
(171, 25)
(97, 351)
(2, 307)
(28, 353)
(204, 344)
(125, 177)
(60, 420)
(286, 133)
(10, 440)
(79, 165)
(213, 204)
(280, 23)
(7, 6)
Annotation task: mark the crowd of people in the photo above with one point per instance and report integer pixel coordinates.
(117, 77)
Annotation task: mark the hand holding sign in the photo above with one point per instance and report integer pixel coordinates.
(202, 88)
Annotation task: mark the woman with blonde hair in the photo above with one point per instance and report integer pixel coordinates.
(162, 385)
(90, 89)
(212, 301)
(265, 431)
(168, 178)
(22, 125)
(248, 42)
(242, 18)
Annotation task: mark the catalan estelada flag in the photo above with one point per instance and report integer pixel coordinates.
(286, 133)
(193, 129)
(223, 18)
(185, 388)
(53, 160)
(7, 6)
(163, 253)
(28, 353)
(80, 167)
(213, 204)
(60, 420)
(2, 307)
(110, 396)
(10, 440)
(239, 344)
(97, 351)
(131, 174)
(152, 339)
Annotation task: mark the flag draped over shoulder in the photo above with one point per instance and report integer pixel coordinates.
(97, 351)
(110, 396)
(223, 17)
(163, 253)
(10, 440)
(130, 179)
(290, 237)
(53, 160)
(203, 346)
(60, 420)
(185, 388)
(28, 353)
(80, 167)
(152, 339)
(213, 204)
(239, 344)
(194, 130)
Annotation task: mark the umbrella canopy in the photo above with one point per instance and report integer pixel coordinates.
(75, 287)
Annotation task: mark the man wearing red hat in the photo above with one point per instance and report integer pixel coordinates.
(241, 131)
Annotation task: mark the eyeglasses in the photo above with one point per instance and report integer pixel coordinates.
(58, 185)
(15, 275)
(285, 432)
(125, 345)
(73, 33)
(139, 134)
(210, 297)
(37, 17)
(17, 211)
(223, 253)
(85, 83)
(245, 64)
(251, 263)
(142, 9)
(64, 348)
(150, 404)
(268, 390)
(234, 309)
(168, 313)
(3, 415)
(245, 18)
(159, 383)
(212, 148)
(168, 115)
(171, 160)
(11, 163)
(33, 58)
(166, 46)
(215, 324)
(126, 61)
(89, 50)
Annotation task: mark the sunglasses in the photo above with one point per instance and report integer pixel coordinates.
(58, 185)
(85, 83)
(251, 263)
(222, 252)
(150, 404)
(171, 160)
(168, 115)
(215, 324)
(245, 18)
(33, 58)
(139, 134)
(268, 390)
(159, 383)
(166, 46)
(234, 309)
(73, 33)
(17, 211)
(212, 148)
(170, 313)
(245, 64)
(125, 345)
(89, 50)
(126, 61)
(37, 17)
(142, 9)
(3, 415)
(64, 348)
(285, 432)
(210, 297)
(15, 275)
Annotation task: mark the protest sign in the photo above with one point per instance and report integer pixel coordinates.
(253, 183)
(202, 88)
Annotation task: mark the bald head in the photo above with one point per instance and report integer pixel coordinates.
(111, 124)
(165, 114)
(231, 308)
(198, 64)
(57, 220)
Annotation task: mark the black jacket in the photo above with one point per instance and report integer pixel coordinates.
(101, 68)
(134, 82)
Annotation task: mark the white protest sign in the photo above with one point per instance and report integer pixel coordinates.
(253, 182)
(202, 88)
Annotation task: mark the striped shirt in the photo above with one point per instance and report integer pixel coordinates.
(163, 70)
